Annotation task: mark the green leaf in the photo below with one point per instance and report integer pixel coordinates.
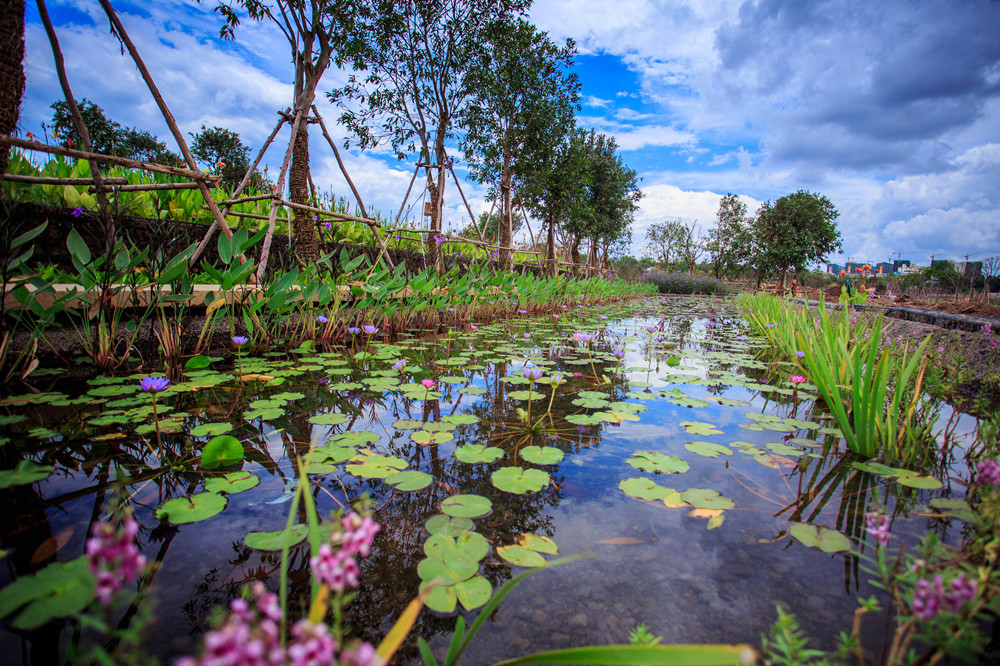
(642, 655)
(221, 450)
(206, 429)
(519, 481)
(328, 419)
(78, 247)
(472, 544)
(542, 455)
(706, 498)
(708, 449)
(197, 362)
(442, 524)
(653, 461)
(646, 489)
(425, 438)
(409, 480)
(453, 566)
(922, 482)
(376, 467)
(276, 540)
(815, 536)
(234, 482)
(477, 453)
(699, 428)
(461, 419)
(195, 508)
(474, 592)
(466, 506)
(521, 556)
(61, 589)
(24, 472)
(538, 543)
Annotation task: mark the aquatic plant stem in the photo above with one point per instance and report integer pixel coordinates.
(156, 425)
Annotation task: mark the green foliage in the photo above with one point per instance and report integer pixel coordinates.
(106, 135)
(729, 242)
(797, 229)
(786, 643)
(222, 151)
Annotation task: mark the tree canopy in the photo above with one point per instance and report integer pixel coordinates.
(797, 229)
(106, 135)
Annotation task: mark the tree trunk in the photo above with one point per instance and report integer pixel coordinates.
(506, 226)
(306, 244)
(550, 246)
(574, 253)
(11, 71)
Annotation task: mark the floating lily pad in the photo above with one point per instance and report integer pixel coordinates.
(453, 566)
(688, 402)
(193, 509)
(474, 592)
(616, 416)
(442, 524)
(376, 467)
(472, 544)
(477, 453)
(591, 403)
(816, 536)
(536, 542)
(524, 395)
(408, 424)
(584, 419)
(61, 589)
(409, 480)
(24, 472)
(466, 506)
(519, 481)
(354, 438)
(708, 449)
(276, 540)
(706, 498)
(774, 461)
(922, 482)
(646, 489)
(461, 419)
(542, 455)
(210, 429)
(654, 461)
(425, 438)
(329, 419)
(221, 450)
(783, 449)
(332, 454)
(234, 482)
(521, 556)
(442, 598)
(699, 428)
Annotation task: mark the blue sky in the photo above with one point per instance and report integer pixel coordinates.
(890, 109)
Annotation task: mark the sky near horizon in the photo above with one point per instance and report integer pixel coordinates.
(890, 109)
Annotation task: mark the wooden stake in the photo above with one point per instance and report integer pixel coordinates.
(48, 180)
(150, 187)
(465, 201)
(407, 197)
(340, 162)
(265, 251)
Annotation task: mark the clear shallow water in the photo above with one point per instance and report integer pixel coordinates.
(655, 564)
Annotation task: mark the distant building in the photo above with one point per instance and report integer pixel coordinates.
(854, 267)
(834, 268)
(897, 264)
(971, 269)
(882, 268)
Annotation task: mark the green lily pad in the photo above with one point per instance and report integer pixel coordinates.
(453, 566)
(708, 449)
(616, 416)
(783, 449)
(521, 556)
(472, 390)
(654, 461)
(425, 438)
(922, 482)
(474, 592)
(706, 498)
(519, 481)
(584, 419)
(538, 543)
(461, 419)
(816, 536)
(221, 450)
(408, 424)
(645, 489)
(525, 395)
(354, 438)
(24, 472)
(193, 509)
(376, 467)
(466, 506)
(542, 455)
(410, 480)
(61, 589)
(477, 453)
(688, 402)
(276, 540)
(442, 598)
(591, 403)
(329, 419)
(234, 482)
(332, 454)
(442, 524)
(210, 429)
(699, 428)
(472, 544)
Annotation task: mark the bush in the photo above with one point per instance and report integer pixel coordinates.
(682, 283)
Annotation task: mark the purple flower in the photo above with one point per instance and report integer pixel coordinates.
(321, 319)
(250, 635)
(534, 374)
(522, 312)
(473, 327)
(988, 472)
(800, 354)
(370, 330)
(797, 379)
(240, 340)
(153, 384)
(427, 383)
(878, 527)
(651, 329)
(312, 644)
(353, 330)
(618, 353)
(927, 597)
(583, 337)
(113, 558)
(962, 590)
(527, 336)
(556, 380)
(77, 212)
(337, 570)
(327, 225)
(400, 365)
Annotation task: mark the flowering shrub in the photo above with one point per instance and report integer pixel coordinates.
(682, 283)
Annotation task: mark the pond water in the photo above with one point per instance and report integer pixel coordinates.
(746, 453)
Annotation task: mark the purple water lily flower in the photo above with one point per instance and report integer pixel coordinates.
(370, 330)
(321, 319)
(240, 340)
(534, 374)
(153, 384)
(353, 330)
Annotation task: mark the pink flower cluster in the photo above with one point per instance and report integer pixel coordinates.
(113, 557)
(929, 596)
(988, 472)
(340, 570)
(878, 527)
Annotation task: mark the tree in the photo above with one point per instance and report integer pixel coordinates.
(11, 71)
(490, 223)
(222, 150)
(797, 229)
(669, 241)
(728, 242)
(523, 98)
(991, 269)
(106, 135)
(320, 33)
(413, 90)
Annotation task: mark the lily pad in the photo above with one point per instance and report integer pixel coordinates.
(376, 467)
(425, 438)
(699, 428)
(210, 429)
(453, 566)
(584, 419)
(477, 453)
(645, 489)
(234, 482)
(519, 481)
(473, 592)
(922, 482)
(706, 498)
(466, 506)
(521, 556)
(708, 449)
(525, 395)
(472, 544)
(328, 419)
(61, 589)
(461, 419)
(408, 424)
(654, 461)
(410, 480)
(541, 544)
(816, 536)
(542, 455)
(24, 472)
(193, 509)
(276, 540)
(442, 524)
(221, 450)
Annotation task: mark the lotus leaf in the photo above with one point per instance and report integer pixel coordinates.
(542, 455)
(276, 540)
(472, 390)
(538, 543)
(816, 536)
(461, 419)
(193, 509)
(526, 395)
(352, 438)
(474, 592)
(466, 506)
(689, 402)
(477, 453)
(472, 544)
(375, 466)
(584, 419)
(591, 403)
(234, 482)
(332, 454)
(221, 450)
(328, 419)
(406, 424)
(783, 449)
(409, 480)
(654, 461)
(645, 489)
(210, 429)
(452, 567)
(922, 482)
(425, 438)
(616, 416)
(441, 598)
(519, 481)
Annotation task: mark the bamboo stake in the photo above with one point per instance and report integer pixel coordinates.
(340, 162)
(81, 127)
(49, 180)
(256, 197)
(465, 201)
(265, 251)
(167, 115)
(407, 197)
(106, 159)
(533, 244)
(144, 187)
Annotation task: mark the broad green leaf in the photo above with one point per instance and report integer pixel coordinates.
(409, 480)
(472, 544)
(536, 542)
(442, 524)
(195, 508)
(700, 428)
(61, 589)
(519, 481)
(708, 449)
(706, 498)
(24, 472)
(210, 429)
(815, 536)
(521, 556)
(466, 506)
(329, 419)
(542, 455)
(276, 540)
(234, 482)
(654, 461)
(474, 592)
(221, 450)
(477, 453)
